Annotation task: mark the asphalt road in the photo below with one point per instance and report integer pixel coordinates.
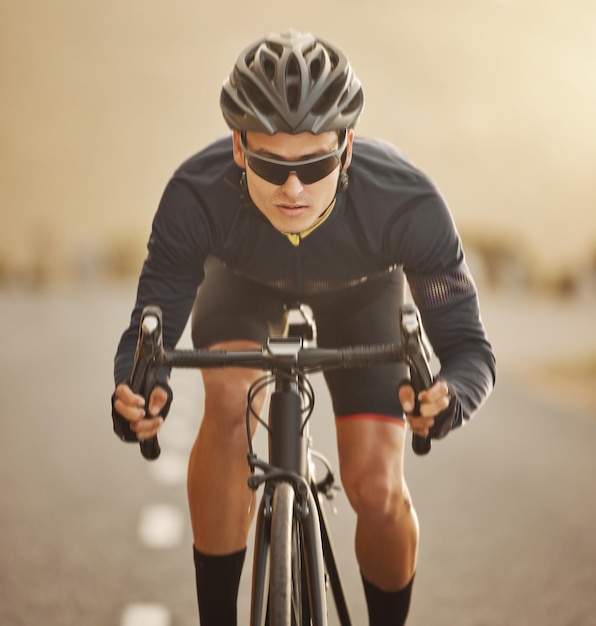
(507, 505)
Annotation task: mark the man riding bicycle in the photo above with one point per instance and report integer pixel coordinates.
(294, 208)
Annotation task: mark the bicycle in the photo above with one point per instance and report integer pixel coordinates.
(294, 560)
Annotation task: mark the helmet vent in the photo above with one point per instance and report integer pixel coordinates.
(269, 69)
(293, 83)
(315, 69)
(333, 58)
(293, 71)
(255, 97)
(332, 93)
(230, 105)
(276, 49)
(355, 104)
(249, 59)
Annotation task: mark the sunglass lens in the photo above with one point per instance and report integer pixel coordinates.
(313, 172)
(308, 173)
(271, 172)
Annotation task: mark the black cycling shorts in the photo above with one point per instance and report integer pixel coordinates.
(231, 307)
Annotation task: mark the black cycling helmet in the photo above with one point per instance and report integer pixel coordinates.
(291, 83)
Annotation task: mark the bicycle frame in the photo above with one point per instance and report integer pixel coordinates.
(289, 462)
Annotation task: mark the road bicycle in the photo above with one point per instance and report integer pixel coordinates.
(294, 561)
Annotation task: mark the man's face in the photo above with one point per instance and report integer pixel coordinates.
(292, 206)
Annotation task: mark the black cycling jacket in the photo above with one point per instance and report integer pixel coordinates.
(391, 217)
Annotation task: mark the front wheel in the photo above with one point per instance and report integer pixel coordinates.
(286, 576)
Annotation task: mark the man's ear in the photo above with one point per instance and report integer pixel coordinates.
(238, 151)
(348, 158)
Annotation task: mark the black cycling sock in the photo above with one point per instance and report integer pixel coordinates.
(218, 579)
(387, 608)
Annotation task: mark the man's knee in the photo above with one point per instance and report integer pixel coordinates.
(226, 392)
(375, 492)
(371, 465)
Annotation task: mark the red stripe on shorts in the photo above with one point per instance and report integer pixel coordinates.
(372, 416)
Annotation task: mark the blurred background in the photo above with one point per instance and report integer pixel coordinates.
(494, 99)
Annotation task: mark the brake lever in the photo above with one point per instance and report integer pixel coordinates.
(418, 355)
(143, 377)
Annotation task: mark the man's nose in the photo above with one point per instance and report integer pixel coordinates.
(293, 186)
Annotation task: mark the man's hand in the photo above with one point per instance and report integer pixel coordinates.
(432, 402)
(131, 407)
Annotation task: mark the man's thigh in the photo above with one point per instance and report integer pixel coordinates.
(229, 307)
(363, 315)
(371, 453)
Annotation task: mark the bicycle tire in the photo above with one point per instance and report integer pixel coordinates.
(286, 576)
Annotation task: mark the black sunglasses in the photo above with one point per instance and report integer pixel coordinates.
(309, 171)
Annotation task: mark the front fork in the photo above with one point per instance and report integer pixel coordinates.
(307, 514)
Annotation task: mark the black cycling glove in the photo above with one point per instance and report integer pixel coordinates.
(122, 425)
(445, 420)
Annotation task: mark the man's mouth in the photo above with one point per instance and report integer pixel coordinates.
(291, 208)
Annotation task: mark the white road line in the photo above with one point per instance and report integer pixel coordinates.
(178, 434)
(146, 615)
(171, 468)
(161, 526)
